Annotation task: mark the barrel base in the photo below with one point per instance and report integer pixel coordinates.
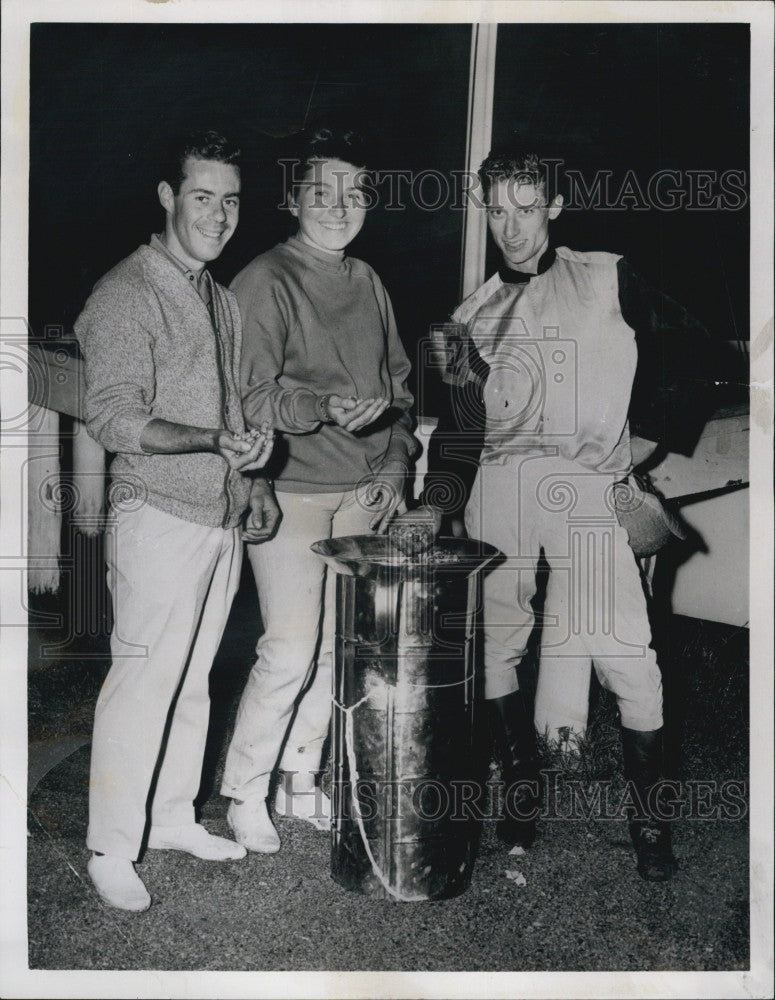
(419, 871)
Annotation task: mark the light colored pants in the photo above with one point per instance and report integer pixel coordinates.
(295, 651)
(172, 584)
(595, 607)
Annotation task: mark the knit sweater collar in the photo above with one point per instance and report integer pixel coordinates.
(335, 263)
(200, 281)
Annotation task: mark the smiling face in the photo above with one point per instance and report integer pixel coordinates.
(518, 217)
(330, 205)
(203, 215)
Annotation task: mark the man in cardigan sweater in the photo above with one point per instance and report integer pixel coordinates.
(161, 342)
(557, 368)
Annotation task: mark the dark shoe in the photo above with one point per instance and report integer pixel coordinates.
(521, 806)
(516, 743)
(651, 840)
(650, 834)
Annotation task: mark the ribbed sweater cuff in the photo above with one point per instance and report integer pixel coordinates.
(122, 433)
(306, 408)
(401, 448)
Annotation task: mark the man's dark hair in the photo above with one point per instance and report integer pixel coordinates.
(199, 145)
(526, 168)
(325, 142)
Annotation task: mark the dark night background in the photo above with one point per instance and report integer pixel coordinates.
(105, 99)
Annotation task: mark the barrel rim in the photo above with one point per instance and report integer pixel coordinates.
(365, 552)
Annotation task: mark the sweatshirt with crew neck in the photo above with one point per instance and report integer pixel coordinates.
(315, 323)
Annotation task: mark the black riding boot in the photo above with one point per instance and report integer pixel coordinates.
(516, 742)
(650, 835)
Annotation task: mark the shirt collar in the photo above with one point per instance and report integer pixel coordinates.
(511, 277)
(200, 281)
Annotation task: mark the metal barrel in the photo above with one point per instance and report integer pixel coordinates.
(403, 738)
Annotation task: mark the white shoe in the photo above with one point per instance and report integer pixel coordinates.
(194, 839)
(313, 806)
(117, 883)
(252, 825)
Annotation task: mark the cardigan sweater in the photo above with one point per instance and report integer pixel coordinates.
(152, 350)
(317, 323)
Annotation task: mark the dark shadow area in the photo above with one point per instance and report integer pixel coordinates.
(622, 107)
(236, 656)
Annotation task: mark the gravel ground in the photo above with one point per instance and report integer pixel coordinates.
(582, 906)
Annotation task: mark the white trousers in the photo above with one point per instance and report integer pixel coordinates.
(286, 704)
(595, 606)
(172, 584)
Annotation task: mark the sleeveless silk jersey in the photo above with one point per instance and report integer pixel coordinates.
(562, 362)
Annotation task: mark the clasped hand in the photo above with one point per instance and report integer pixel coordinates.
(263, 513)
(248, 451)
(351, 413)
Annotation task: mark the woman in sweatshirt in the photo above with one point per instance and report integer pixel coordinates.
(321, 362)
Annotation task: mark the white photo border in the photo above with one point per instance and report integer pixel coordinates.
(16, 980)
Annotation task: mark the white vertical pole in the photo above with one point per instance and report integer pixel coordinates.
(481, 87)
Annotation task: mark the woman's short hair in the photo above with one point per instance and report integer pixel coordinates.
(325, 142)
